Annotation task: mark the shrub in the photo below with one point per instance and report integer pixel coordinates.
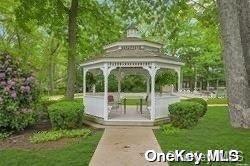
(66, 114)
(168, 129)
(185, 114)
(18, 95)
(46, 136)
(202, 102)
(5, 135)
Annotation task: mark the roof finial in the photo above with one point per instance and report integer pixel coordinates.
(132, 31)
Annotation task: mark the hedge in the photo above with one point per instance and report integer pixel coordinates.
(66, 114)
(185, 114)
(200, 101)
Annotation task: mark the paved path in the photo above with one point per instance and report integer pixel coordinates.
(125, 146)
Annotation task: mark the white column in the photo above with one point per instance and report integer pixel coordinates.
(106, 71)
(119, 88)
(153, 96)
(105, 74)
(94, 89)
(84, 82)
(84, 85)
(179, 79)
(148, 86)
(152, 71)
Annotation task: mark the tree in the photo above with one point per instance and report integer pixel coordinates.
(235, 30)
(79, 23)
(72, 31)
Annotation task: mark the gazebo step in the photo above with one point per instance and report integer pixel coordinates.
(128, 123)
(100, 123)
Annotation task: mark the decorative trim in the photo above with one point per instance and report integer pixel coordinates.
(158, 60)
(134, 43)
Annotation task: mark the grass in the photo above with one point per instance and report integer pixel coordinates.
(135, 101)
(217, 101)
(213, 132)
(78, 153)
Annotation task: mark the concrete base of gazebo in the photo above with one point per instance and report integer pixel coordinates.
(123, 122)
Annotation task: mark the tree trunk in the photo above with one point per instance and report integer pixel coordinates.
(51, 67)
(195, 82)
(207, 85)
(217, 84)
(71, 68)
(50, 75)
(235, 29)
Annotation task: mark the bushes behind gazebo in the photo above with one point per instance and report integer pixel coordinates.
(66, 114)
(185, 114)
(18, 95)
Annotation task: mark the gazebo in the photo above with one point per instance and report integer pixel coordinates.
(130, 55)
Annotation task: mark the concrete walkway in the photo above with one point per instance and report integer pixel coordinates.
(125, 146)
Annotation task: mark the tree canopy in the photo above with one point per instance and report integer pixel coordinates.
(53, 37)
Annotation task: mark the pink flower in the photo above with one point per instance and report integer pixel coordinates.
(2, 75)
(22, 88)
(27, 89)
(30, 79)
(13, 94)
(3, 83)
(7, 88)
(11, 83)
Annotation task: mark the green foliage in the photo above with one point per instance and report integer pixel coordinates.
(18, 95)
(169, 129)
(45, 136)
(166, 78)
(185, 114)
(134, 83)
(200, 101)
(188, 30)
(217, 101)
(66, 114)
(4, 135)
(214, 131)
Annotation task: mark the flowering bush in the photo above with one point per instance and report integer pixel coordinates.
(18, 95)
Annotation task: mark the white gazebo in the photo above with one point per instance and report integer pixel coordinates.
(137, 56)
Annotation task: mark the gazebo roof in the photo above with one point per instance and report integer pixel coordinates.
(131, 48)
(138, 54)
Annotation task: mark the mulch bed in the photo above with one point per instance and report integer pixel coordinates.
(21, 140)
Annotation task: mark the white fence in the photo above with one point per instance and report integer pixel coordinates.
(94, 105)
(162, 103)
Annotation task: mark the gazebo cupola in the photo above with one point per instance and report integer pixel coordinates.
(130, 55)
(133, 41)
(132, 31)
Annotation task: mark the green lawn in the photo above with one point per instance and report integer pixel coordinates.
(75, 154)
(213, 132)
(134, 101)
(217, 101)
